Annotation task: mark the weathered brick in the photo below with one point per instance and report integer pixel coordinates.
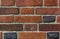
(10, 35)
(53, 35)
(7, 2)
(50, 2)
(9, 11)
(26, 10)
(28, 2)
(31, 35)
(49, 27)
(30, 27)
(0, 35)
(11, 27)
(46, 11)
(6, 19)
(49, 19)
(59, 2)
(58, 19)
(28, 19)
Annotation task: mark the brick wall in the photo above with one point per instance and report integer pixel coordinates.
(29, 19)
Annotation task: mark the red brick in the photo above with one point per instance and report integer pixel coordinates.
(26, 10)
(28, 19)
(31, 35)
(8, 11)
(6, 19)
(58, 19)
(30, 27)
(11, 27)
(50, 2)
(7, 2)
(59, 3)
(50, 11)
(28, 2)
(49, 27)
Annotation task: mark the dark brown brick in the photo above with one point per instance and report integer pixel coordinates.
(26, 10)
(28, 2)
(9, 11)
(11, 27)
(48, 19)
(7, 2)
(31, 35)
(6, 19)
(0, 35)
(49, 27)
(28, 19)
(30, 27)
(50, 2)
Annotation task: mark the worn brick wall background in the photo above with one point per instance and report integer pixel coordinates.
(29, 19)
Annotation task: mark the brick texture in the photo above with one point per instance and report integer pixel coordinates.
(28, 19)
(48, 11)
(30, 27)
(6, 19)
(5, 11)
(58, 19)
(53, 35)
(26, 10)
(11, 27)
(48, 19)
(10, 36)
(32, 35)
(0, 35)
(7, 2)
(49, 27)
(50, 2)
(28, 2)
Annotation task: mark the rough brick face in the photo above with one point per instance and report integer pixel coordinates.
(8, 11)
(48, 19)
(0, 35)
(30, 27)
(58, 19)
(28, 2)
(6, 19)
(50, 2)
(26, 10)
(53, 35)
(48, 11)
(49, 27)
(10, 36)
(7, 2)
(32, 35)
(45, 10)
(11, 27)
(28, 19)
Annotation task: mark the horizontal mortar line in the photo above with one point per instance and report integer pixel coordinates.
(38, 31)
(29, 23)
(18, 23)
(29, 7)
(39, 7)
(49, 23)
(29, 15)
(26, 31)
(6, 15)
(36, 15)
